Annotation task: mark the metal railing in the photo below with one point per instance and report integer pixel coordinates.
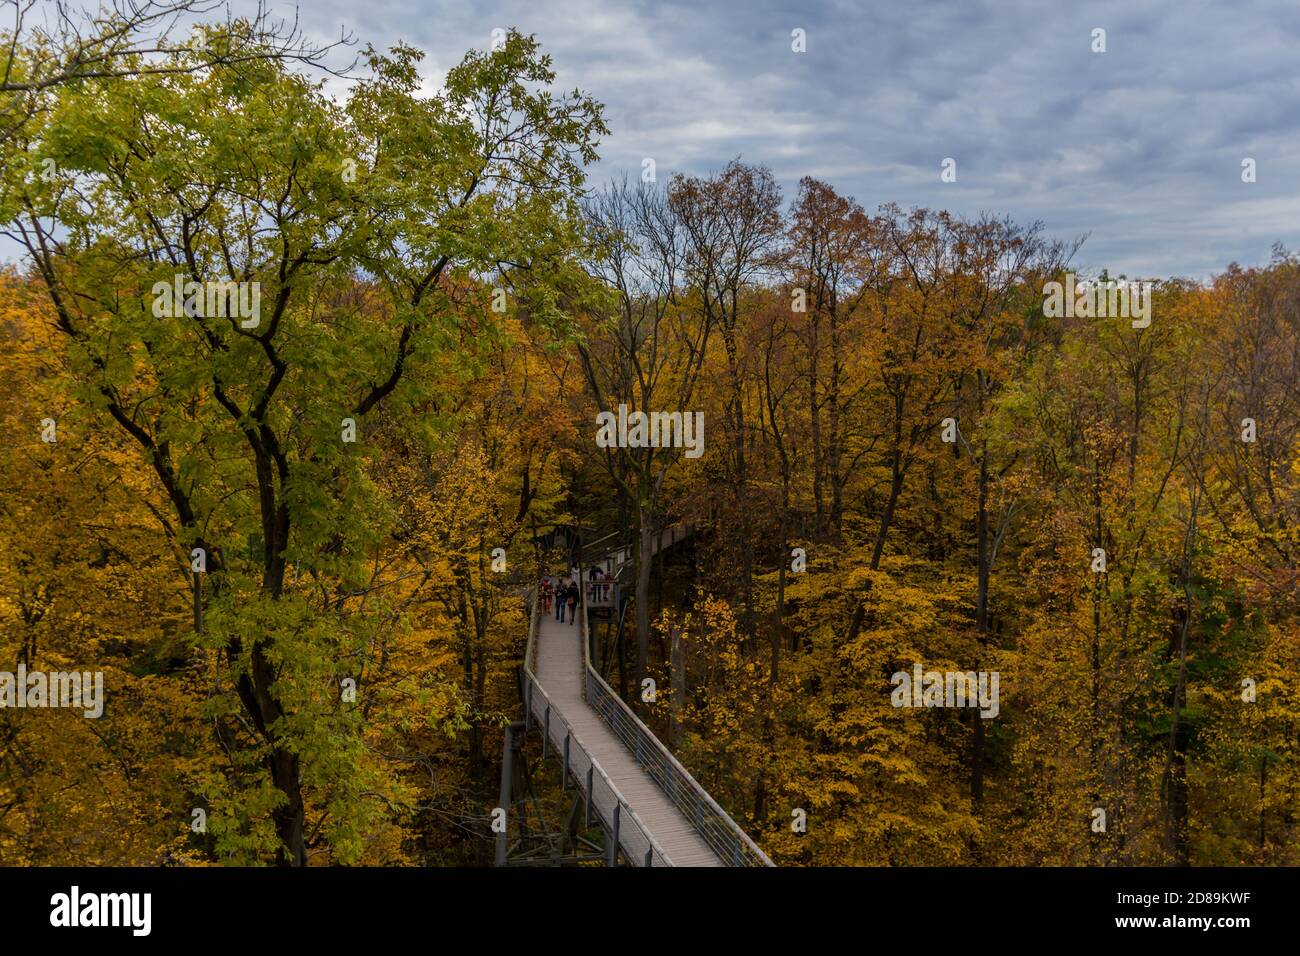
(625, 829)
(599, 547)
(714, 825)
(602, 594)
(616, 558)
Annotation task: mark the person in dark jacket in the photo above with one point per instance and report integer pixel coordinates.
(571, 597)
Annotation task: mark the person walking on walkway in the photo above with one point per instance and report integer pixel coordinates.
(571, 597)
(561, 600)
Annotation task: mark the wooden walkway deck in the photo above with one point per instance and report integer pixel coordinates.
(560, 673)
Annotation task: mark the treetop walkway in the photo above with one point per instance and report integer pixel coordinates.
(653, 812)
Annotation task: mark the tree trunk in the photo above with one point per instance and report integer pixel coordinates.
(678, 665)
(286, 775)
(887, 518)
(645, 555)
(815, 432)
(981, 624)
(254, 690)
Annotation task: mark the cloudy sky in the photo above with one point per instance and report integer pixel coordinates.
(1140, 147)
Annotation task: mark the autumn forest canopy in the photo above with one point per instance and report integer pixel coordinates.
(299, 382)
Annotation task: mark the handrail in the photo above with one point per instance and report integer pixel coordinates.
(591, 545)
(678, 531)
(533, 618)
(714, 824)
(623, 809)
(608, 596)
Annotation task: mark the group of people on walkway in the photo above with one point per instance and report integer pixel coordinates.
(599, 579)
(564, 595)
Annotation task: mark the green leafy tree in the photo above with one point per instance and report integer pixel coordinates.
(345, 228)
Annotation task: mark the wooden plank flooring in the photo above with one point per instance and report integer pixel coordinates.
(560, 673)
